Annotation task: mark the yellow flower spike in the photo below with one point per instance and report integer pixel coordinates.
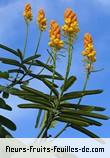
(41, 19)
(88, 40)
(89, 50)
(55, 36)
(27, 13)
(71, 23)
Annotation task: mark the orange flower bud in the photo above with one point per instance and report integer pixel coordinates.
(41, 20)
(55, 35)
(89, 50)
(27, 13)
(87, 39)
(71, 24)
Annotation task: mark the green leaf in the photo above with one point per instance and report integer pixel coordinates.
(97, 108)
(13, 62)
(9, 50)
(4, 133)
(8, 90)
(35, 92)
(75, 106)
(44, 119)
(47, 76)
(89, 121)
(78, 94)
(7, 123)
(20, 54)
(50, 85)
(84, 113)
(85, 131)
(5, 95)
(69, 83)
(81, 107)
(48, 67)
(25, 83)
(37, 97)
(16, 71)
(38, 118)
(31, 98)
(72, 121)
(3, 105)
(43, 80)
(2, 88)
(4, 75)
(31, 58)
(35, 106)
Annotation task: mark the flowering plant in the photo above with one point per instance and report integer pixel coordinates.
(57, 105)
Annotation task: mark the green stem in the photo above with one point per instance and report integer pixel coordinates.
(26, 39)
(68, 64)
(54, 68)
(66, 77)
(38, 43)
(85, 85)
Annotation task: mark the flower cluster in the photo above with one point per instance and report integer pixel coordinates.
(55, 35)
(70, 28)
(28, 13)
(71, 23)
(89, 50)
(41, 20)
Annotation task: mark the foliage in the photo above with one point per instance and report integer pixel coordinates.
(58, 105)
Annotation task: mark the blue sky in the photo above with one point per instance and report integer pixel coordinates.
(93, 17)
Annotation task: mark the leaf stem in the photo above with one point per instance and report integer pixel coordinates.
(26, 39)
